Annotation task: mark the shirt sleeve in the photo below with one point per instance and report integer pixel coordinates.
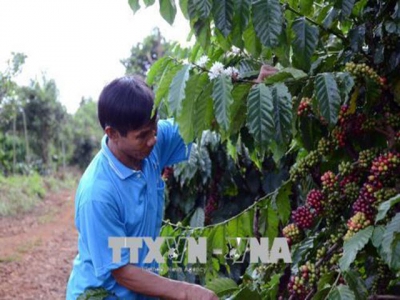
(97, 221)
(172, 149)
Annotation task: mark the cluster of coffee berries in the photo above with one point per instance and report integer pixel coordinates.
(329, 182)
(366, 198)
(303, 217)
(292, 233)
(350, 191)
(382, 278)
(366, 157)
(384, 194)
(392, 119)
(304, 107)
(309, 272)
(316, 200)
(339, 136)
(385, 165)
(356, 223)
(303, 167)
(362, 70)
(325, 146)
(321, 252)
(297, 287)
(345, 168)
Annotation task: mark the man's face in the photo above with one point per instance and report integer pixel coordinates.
(137, 144)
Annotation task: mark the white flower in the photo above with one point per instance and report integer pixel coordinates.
(202, 61)
(216, 70)
(235, 50)
(231, 72)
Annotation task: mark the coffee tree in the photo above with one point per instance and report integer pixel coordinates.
(331, 113)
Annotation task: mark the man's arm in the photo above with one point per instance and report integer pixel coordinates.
(265, 71)
(153, 285)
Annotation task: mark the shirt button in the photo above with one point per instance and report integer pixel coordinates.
(138, 175)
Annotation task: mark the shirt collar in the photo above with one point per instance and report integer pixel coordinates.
(119, 168)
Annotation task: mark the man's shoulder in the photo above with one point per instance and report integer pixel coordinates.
(96, 183)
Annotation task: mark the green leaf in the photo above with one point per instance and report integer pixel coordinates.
(282, 102)
(286, 73)
(183, 4)
(165, 81)
(282, 201)
(203, 33)
(149, 2)
(247, 293)
(197, 220)
(341, 292)
(134, 4)
(377, 236)
(389, 242)
(222, 100)
(347, 7)
(260, 120)
(246, 222)
(240, 21)
(251, 41)
(239, 95)
(204, 112)
(272, 223)
(385, 206)
(345, 84)
(267, 20)
(327, 96)
(168, 10)
(222, 286)
(192, 107)
(157, 69)
(177, 90)
(306, 7)
(353, 279)
(304, 43)
(199, 8)
(223, 15)
(326, 280)
(353, 245)
(358, 8)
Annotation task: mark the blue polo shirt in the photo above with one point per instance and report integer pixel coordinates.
(113, 200)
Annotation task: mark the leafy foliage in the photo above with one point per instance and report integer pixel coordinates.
(330, 115)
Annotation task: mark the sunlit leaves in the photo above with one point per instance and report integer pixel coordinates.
(134, 4)
(168, 10)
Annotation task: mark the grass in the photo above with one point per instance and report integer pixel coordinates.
(21, 193)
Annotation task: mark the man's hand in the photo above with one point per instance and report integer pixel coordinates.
(194, 291)
(265, 71)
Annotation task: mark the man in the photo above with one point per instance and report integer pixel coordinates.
(121, 195)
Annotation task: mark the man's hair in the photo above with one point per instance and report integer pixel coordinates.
(126, 104)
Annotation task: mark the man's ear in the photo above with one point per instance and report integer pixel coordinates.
(112, 133)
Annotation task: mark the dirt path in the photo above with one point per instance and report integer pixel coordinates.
(37, 249)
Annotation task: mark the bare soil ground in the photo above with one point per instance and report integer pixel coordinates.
(37, 249)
